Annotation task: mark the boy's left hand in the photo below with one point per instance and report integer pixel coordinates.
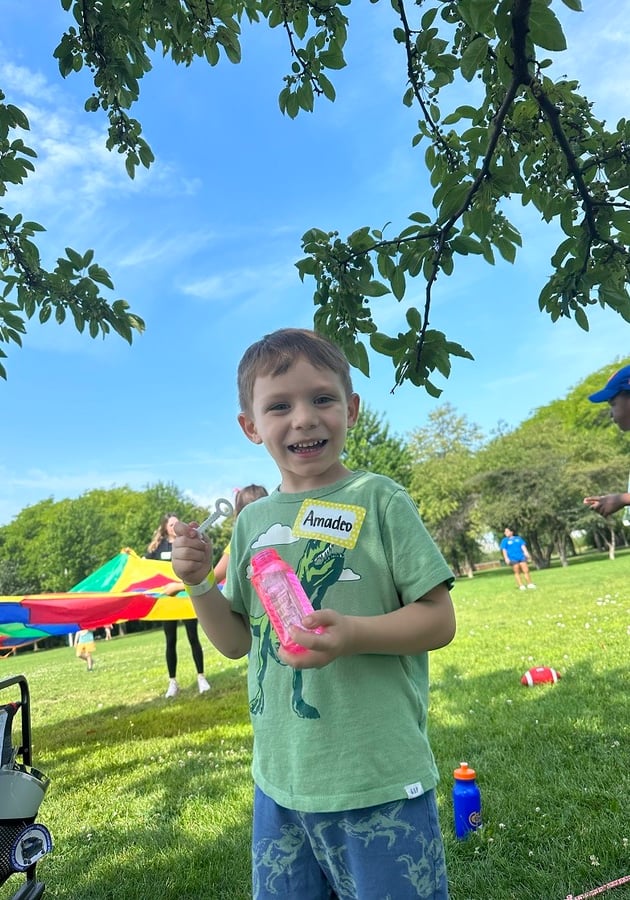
(335, 640)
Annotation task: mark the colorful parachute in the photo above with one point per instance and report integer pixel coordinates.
(127, 587)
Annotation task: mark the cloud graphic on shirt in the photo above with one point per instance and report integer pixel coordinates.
(276, 534)
(349, 575)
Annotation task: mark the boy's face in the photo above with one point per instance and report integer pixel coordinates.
(620, 410)
(302, 418)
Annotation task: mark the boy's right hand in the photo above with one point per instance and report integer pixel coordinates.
(192, 554)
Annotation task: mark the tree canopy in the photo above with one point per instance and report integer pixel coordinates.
(467, 486)
(52, 546)
(370, 446)
(492, 119)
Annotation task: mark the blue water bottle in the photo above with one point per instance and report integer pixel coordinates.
(466, 801)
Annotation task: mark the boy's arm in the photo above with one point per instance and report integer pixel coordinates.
(427, 624)
(192, 562)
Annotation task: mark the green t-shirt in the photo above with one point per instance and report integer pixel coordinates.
(352, 734)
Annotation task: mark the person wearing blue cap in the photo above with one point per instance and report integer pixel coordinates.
(616, 393)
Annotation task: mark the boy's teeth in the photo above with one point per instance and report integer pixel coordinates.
(306, 445)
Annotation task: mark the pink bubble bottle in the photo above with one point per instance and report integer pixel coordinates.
(281, 595)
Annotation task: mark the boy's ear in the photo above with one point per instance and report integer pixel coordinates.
(354, 403)
(248, 427)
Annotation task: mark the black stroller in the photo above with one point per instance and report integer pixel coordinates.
(23, 842)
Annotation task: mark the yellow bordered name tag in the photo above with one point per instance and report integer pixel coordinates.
(338, 523)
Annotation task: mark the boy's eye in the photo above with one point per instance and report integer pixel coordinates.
(324, 399)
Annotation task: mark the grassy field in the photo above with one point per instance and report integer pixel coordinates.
(152, 798)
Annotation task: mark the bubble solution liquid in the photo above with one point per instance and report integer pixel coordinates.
(281, 595)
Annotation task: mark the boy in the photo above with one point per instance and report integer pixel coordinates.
(344, 776)
(516, 554)
(616, 392)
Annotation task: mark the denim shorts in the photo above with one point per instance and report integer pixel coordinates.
(393, 851)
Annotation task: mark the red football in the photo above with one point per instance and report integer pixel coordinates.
(540, 675)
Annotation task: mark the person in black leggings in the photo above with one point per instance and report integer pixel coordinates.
(160, 548)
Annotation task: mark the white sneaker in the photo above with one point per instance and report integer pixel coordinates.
(521, 587)
(172, 689)
(203, 684)
(531, 586)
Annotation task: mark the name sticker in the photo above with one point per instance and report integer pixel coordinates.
(338, 523)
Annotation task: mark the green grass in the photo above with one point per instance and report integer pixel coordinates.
(152, 798)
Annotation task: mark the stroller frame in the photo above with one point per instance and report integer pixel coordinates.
(35, 782)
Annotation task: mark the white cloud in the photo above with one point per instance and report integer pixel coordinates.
(349, 575)
(174, 246)
(276, 534)
(242, 282)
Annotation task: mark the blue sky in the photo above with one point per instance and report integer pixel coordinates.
(203, 247)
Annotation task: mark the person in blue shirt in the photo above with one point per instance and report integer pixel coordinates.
(616, 392)
(516, 554)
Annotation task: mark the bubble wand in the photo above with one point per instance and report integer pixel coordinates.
(222, 509)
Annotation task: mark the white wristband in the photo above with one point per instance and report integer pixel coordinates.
(198, 590)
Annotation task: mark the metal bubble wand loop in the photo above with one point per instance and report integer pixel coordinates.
(222, 509)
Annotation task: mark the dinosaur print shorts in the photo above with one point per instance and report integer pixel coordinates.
(389, 852)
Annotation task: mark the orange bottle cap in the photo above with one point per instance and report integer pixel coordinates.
(465, 773)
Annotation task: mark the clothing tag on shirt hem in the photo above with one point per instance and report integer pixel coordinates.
(414, 790)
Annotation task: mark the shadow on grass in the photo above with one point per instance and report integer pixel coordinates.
(552, 768)
(160, 717)
(589, 556)
(162, 766)
(154, 864)
(130, 738)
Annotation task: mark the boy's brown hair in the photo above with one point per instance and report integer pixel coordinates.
(275, 353)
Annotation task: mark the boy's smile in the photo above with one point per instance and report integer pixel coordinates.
(302, 417)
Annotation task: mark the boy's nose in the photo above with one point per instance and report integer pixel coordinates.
(304, 416)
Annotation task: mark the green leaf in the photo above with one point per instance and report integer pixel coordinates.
(100, 275)
(332, 59)
(374, 289)
(305, 96)
(327, 87)
(362, 362)
(300, 21)
(75, 258)
(18, 117)
(481, 14)
(306, 266)
(581, 318)
(398, 283)
(465, 244)
(212, 52)
(384, 344)
(457, 350)
(473, 57)
(414, 319)
(506, 249)
(544, 28)
(454, 200)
